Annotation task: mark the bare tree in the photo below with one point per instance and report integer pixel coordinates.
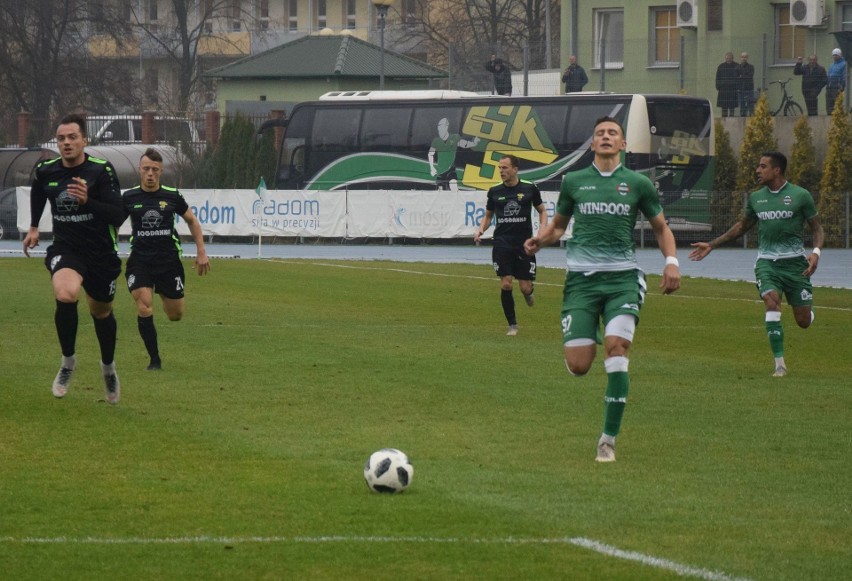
(176, 36)
(45, 63)
(462, 35)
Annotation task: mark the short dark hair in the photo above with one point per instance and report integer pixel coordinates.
(608, 119)
(513, 159)
(153, 155)
(75, 118)
(776, 159)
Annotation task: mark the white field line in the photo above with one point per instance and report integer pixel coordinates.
(590, 544)
(492, 278)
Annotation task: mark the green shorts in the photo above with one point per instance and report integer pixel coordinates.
(589, 300)
(785, 277)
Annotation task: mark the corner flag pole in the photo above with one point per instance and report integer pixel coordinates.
(261, 192)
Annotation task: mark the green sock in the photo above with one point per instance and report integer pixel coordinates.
(618, 383)
(775, 332)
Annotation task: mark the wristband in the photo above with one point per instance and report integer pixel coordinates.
(672, 260)
(816, 251)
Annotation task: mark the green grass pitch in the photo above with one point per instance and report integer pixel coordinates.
(243, 458)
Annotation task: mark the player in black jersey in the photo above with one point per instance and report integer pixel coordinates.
(155, 263)
(85, 200)
(511, 203)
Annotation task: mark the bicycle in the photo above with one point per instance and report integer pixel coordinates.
(788, 105)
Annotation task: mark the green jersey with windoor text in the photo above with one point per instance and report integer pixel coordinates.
(781, 220)
(605, 207)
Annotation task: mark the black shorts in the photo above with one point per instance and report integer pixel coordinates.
(165, 278)
(513, 262)
(99, 273)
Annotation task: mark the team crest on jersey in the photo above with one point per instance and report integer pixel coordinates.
(163, 204)
(623, 189)
(66, 203)
(54, 261)
(130, 280)
(788, 200)
(520, 197)
(152, 219)
(512, 208)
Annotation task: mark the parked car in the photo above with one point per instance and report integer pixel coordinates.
(127, 129)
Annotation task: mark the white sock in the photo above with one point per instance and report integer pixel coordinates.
(779, 362)
(69, 362)
(606, 439)
(108, 369)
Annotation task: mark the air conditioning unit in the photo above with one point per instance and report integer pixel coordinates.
(807, 12)
(687, 13)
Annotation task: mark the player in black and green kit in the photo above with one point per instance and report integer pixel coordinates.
(155, 263)
(85, 200)
(510, 204)
(783, 266)
(604, 282)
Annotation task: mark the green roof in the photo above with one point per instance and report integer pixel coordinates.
(323, 56)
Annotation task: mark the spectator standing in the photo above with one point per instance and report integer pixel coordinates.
(726, 85)
(814, 78)
(502, 75)
(745, 86)
(836, 80)
(574, 77)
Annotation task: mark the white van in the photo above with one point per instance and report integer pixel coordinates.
(116, 129)
(127, 129)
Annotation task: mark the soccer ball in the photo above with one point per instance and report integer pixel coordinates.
(388, 470)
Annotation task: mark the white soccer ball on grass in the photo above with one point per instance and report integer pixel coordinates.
(388, 470)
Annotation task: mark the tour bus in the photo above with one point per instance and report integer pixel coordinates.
(453, 140)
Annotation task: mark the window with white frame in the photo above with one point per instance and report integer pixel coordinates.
(351, 19)
(322, 14)
(609, 38)
(409, 14)
(235, 13)
(665, 36)
(263, 14)
(789, 39)
(293, 16)
(844, 12)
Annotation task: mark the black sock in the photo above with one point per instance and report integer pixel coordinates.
(149, 336)
(508, 302)
(65, 319)
(105, 329)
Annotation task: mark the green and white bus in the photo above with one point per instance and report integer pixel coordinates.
(451, 140)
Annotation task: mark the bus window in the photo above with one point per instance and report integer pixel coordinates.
(385, 128)
(424, 129)
(582, 117)
(291, 166)
(552, 116)
(335, 130)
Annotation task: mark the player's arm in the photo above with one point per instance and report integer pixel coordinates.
(666, 242)
(202, 264)
(483, 226)
(431, 157)
(38, 199)
(550, 233)
(107, 203)
(819, 239)
(542, 216)
(702, 249)
(468, 143)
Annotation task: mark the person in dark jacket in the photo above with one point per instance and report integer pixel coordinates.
(502, 75)
(726, 85)
(574, 76)
(814, 78)
(745, 86)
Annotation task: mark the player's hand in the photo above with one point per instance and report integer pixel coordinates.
(31, 241)
(813, 262)
(202, 265)
(702, 249)
(532, 245)
(79, 190)
(670, 281)
(477, 237)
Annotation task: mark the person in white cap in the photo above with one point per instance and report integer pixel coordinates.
(836, 80)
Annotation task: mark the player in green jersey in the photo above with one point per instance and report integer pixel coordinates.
(783, 266)
(604, 282)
